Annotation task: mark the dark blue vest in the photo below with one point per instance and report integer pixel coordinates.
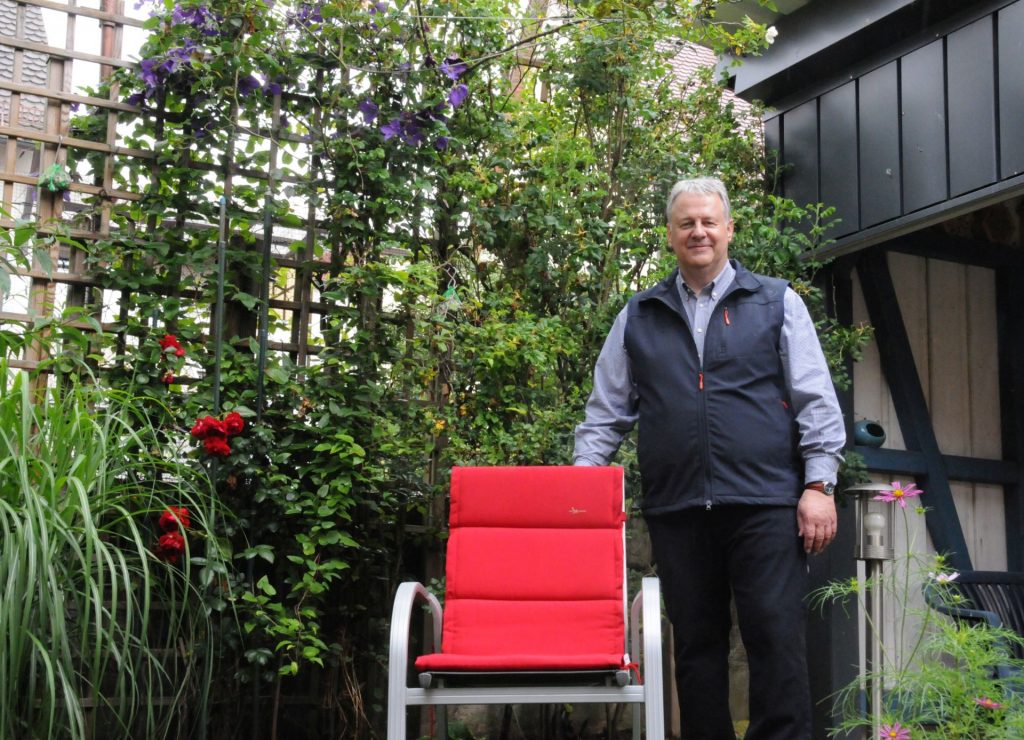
(724, 434)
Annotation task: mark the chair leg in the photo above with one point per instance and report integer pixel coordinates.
(396, 718)
(398, 654)
(654, 708)
(441, 721)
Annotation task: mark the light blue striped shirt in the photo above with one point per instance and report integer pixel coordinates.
(612, 409)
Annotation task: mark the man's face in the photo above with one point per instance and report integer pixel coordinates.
(699, 234)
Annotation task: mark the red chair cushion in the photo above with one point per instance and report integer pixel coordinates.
(534, 572)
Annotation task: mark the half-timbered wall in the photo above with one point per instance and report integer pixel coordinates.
(949, 311)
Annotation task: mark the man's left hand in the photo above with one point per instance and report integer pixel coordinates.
(816, 519)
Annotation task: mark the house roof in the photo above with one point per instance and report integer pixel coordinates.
(820, 40)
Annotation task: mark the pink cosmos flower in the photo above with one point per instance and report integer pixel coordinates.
(943, 577)
(895, 731)
(984, 701)
(899, 493)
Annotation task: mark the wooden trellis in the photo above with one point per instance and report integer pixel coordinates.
(46, 49)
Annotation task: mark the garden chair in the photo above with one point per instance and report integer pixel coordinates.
(535, 601)
(995, 598)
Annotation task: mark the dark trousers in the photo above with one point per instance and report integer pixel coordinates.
(752, 552)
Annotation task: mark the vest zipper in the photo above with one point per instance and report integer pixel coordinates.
(705, 452)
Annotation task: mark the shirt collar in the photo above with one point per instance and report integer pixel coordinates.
(716, 287)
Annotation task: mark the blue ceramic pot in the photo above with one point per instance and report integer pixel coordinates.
(867, 433)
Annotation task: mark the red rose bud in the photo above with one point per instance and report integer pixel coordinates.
(217, 446)
(234, 423)
(170, 546)
(174, 516)
(168, 378)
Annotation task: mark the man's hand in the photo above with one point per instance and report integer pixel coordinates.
(816, 519)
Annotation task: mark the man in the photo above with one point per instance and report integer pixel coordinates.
(739, 440)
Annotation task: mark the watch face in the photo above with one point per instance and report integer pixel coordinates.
(830, 488)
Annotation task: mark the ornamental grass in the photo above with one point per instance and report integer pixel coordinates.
(99, 635)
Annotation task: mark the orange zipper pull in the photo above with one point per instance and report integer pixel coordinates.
(727, 322)
(700, 381)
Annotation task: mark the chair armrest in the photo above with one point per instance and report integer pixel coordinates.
(934, 599)
(401, 620)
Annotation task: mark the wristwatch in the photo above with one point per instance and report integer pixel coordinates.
(822, 486)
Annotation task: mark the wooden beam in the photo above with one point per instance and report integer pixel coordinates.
(831, 670)
(908, 398)
(1010, 318)
(936, 245)
(967, 469)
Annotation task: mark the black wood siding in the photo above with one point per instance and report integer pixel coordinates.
(936, 123)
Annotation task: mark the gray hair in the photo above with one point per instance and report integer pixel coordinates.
(701, 185)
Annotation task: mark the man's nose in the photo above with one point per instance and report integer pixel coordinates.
(698, 229)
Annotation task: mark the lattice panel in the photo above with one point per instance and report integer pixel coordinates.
(51, 54)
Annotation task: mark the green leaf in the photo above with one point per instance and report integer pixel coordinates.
(247, 300)
(263, 584)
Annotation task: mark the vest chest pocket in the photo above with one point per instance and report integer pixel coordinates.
(742, 330)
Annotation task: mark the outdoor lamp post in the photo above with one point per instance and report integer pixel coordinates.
(875, 532)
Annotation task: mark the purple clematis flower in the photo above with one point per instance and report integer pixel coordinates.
(369, 109)
(453, 67)
(180, 56)
(272, 88)
(199, 17)
(149, 72)
(308, 13)
(412, 134)
(441, 143)
(247, 85)
(457, 94)
(391, 128)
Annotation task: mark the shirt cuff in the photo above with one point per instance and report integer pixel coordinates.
(821, 467)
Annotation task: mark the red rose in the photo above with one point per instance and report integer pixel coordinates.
(215, 427)
(216, 446)
(170, 546)
(209, 426)
(234, 423)
(168, 377)
(173, 516)
(179, 352)
(169, 341)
